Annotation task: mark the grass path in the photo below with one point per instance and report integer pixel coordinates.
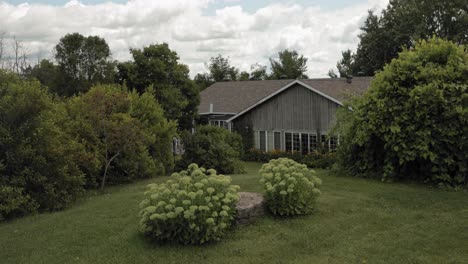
(357, 221)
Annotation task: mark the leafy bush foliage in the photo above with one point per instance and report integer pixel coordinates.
(322, 160)
(51, 149)
(14, 203)
(125, 134)
(412, 123)
(36, 155)
(290, 188)
(193, 207)
(213, 147)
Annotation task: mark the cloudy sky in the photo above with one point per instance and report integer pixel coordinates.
(246, 31)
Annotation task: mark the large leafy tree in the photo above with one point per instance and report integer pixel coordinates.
(290, 65)
(158, 66)
(401, 25)
(83, 62)
(413, 121)
(345, 65)
(47, 73)
(203, 80)
(126, 132)
(38, 158)
(221, 69)
(377, 47)
(258, 72)
(244, 76)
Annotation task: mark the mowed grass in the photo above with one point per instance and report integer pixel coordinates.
(357, 221)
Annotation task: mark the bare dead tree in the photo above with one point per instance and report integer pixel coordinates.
(2, 50)
(24, 62)
(17, 46)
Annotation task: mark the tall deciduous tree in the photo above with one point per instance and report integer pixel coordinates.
(203, 80)
(258, 72)
(126, 132)
(290, 65)
(402, 24)
(244, 76)
(158, 66)
(47, 73)
(377, 46)
(37, 157)
(221, 69)
(345, 65)
(83, 61)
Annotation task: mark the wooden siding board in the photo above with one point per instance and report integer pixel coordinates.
(271, 145)
(297, 108)
(256, 139)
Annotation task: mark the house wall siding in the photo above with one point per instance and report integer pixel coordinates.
(297, 108)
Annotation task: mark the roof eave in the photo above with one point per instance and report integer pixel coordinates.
(217, 113)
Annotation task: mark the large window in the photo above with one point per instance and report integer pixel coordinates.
(333, 143)
(308, 143)
(288, 141)
(263, 139)
(304, 143)
(219, 123)
(324, 142)
(277, 139)
(296, 142)
(312, 142)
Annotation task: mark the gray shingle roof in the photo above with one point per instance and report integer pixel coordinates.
(233, 97)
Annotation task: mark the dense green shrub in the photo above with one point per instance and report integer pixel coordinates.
(52, 149)
(193, 207)
(322, 160)
(413, 122)
(14, 203)
(36, 155)
(290, 188)
(125, 134)
(213, 147)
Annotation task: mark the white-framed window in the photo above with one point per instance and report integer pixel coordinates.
(292, 141)
(296, 142)
(288, 141)
(313, 142)
(333, 143)
(308, 142)
(305, 143)
(324, 143)
(219, 123)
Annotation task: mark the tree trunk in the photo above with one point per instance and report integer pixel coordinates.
(103, 181)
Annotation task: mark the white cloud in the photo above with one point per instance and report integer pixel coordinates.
(245, 37)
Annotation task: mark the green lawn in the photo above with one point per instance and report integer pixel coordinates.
(357, 221)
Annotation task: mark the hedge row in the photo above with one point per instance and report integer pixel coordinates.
(312, 160)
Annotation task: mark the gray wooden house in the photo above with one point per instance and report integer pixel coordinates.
(287, 115)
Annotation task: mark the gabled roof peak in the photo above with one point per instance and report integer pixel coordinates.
(236, 96)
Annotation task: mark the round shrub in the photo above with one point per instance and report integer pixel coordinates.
(290, 187)
(13, 202)
(213, 147)
(412, 123)
(193, 207)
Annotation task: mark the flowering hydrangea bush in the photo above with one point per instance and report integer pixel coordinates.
(290, 187)
(194, 207)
